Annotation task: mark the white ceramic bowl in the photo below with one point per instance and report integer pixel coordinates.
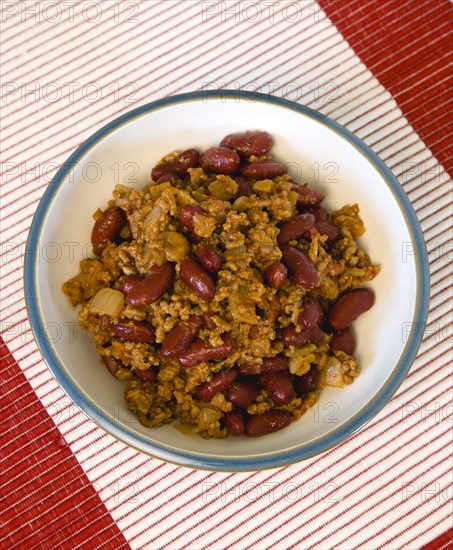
(321, 152)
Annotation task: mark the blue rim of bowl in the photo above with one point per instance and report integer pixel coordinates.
(206, 462)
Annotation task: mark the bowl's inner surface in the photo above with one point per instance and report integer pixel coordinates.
(317, 155)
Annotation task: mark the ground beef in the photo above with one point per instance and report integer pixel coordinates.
(244, 232)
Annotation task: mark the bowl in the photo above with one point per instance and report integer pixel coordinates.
(319, 151)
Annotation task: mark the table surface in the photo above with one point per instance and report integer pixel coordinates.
(383, 69)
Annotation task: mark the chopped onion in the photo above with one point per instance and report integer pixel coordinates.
(263, 185)
(300, 362)
(223, 188)
(176, 245)
(152, 219)
(242, 308)
(152, 254)
(123, 190)
(184, 197)
(208, 416)
(108, 301)
(292, 197)
(332, 374)
(240, 204)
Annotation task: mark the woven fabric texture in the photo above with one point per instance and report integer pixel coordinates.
(381, 68)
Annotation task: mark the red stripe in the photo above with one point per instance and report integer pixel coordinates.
(354, 104)
(300, 526)
(418, 102)
(265, 493)
(87, 60)
(67, 151)
(107, 472)
(196, 498)
(126, 63)
(59, 52)
(376, 504)
(404, 79)
(306, 480)
(442, 541)
(405, 515)
(145, 489)
(136, 518)
(282, 75)
(47, 457)
(306, 60)
(23, 28)
(428, 514)
(378, 150)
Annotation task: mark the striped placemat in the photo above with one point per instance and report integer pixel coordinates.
(381, 68)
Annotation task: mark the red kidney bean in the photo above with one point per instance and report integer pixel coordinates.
(152, 287)
(311, 313)
(147, 375)
(107, 228)
(319, 212)
(263, 170)
(306, 196)
(197, 278)
(128, 282)
(220, 160)
(328, 229)
(292, 338)
(209, 257)
(274, 364)
(243, 392)
(220, 382)
(187, 159)
(307, 382)
(279, 386)
(269, 364)
(179, 166)
(349, 306)
(248, 143)
(161, 170)
(303, 271)
(276, 274)
(234, 422)
(186, 219)
(168, 176)
(187, 214)
(113, 365)
(295, 228)
(343, 340)
(268, 422)
(244, 189)
(200, 351)
(180, 337)
(297, 339)
(136, 331)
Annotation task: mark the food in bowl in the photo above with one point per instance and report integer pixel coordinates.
(223, 292)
